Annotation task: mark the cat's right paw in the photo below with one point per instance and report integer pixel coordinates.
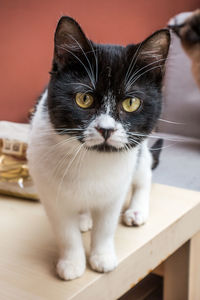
(70, 269)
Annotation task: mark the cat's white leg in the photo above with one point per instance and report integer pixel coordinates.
(138, 210)
(103, 257)
(72, 261)
(85, 221)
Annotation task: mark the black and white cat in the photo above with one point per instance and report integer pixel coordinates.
(88, 141)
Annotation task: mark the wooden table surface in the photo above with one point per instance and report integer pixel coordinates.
(28, 252)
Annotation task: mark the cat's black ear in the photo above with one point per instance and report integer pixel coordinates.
(154, 50)
(156, 45)
(70, 41)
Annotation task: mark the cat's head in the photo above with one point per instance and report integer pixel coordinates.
(108, 96)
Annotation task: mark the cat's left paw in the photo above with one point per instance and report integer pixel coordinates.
(103, 262)
(132, 217)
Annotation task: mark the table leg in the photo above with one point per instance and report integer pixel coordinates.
(182, 272)
(176, 274)
(194, 269)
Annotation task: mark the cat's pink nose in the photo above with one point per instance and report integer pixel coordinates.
(105, 132)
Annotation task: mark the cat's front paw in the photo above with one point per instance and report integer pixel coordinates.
(105, 262)
(133, 217)
(70, 269)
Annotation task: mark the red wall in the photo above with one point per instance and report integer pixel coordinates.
(26, 38)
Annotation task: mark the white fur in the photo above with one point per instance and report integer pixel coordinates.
(85, 221)
(70, 179)
(93, 137)
(138, 211)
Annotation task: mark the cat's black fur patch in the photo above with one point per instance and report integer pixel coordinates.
(155, 151)
(69, 76)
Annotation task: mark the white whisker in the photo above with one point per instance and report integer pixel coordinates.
(61, 143)
(164, 147)
(86, 69)
(143, 68)
(171, 122)
(133, 62)
(157, 137)
(92, 71)
(79, 83)
(96, 59)
(65, 173)
(135, 79)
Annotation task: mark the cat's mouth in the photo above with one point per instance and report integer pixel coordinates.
(104, 147)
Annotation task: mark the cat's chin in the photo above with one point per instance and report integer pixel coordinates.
(104, 147)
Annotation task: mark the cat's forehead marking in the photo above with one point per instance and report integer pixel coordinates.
(109, 102)
(105, 121)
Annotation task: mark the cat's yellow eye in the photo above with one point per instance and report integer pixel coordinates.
(131, 104)
(84, 100)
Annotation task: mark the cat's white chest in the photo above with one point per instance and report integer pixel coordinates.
(90, 177)
(79, 177)
(104, 175)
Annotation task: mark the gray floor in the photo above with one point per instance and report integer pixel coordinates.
(179, 163)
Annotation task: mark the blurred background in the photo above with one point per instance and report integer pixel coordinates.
(27, 29)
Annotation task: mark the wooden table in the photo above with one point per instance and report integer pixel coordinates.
(28, 252)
